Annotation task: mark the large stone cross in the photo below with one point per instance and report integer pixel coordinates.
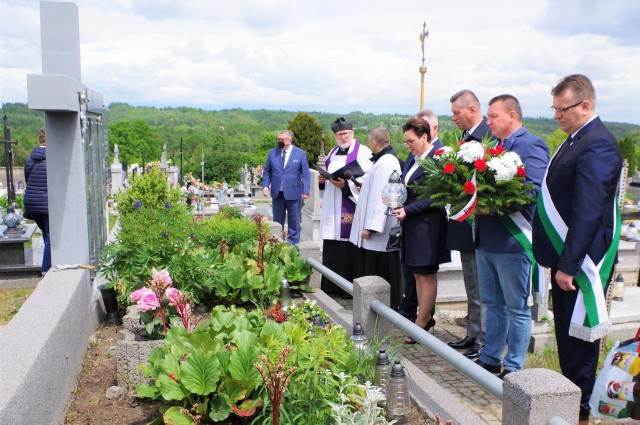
(59, 92)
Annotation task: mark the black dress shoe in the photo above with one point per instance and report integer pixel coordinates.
(488, 367)
(465, 342)
(505, 373)
(474, 352)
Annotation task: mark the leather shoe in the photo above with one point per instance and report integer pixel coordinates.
(505, 373)
(488, 367)
(466, 342)
(474, 352)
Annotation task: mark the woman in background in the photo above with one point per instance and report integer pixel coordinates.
(36, 198)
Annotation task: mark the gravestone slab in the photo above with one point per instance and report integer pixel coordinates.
(14, 257)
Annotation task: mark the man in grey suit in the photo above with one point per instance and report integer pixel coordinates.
(287, 173)
(467, 114)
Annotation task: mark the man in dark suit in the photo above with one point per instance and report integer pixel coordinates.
(504, 266)
(577, 203)
(287, 172)
(467, 114)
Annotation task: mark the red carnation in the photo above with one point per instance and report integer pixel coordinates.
(500, 149)
(470, 188)
(480, 164)
(462, 142)
(439, 152)
(521, 172)
(449, 168)
(493, 151)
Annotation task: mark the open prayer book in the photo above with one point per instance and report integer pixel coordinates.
(354, 167)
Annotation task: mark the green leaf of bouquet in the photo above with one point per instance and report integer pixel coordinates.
(174, 416)
(201, 373)
(170, 389)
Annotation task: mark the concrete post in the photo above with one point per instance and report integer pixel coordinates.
(312, 249)
(365, 290)
(533, 396)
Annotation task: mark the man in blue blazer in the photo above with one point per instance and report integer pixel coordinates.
(504, 267)
(581, 184)
(466, 113)
(287, 173)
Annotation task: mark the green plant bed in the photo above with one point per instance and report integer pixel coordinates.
(228, 368)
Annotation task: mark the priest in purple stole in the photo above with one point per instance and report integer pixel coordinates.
(339, 197)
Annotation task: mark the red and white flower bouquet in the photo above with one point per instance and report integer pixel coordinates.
(474, 177)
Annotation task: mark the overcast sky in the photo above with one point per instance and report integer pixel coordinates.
(338, 56)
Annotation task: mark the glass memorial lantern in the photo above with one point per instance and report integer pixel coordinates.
(394, 193)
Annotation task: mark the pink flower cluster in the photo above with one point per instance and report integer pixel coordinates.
(145, 299)
(149, 299)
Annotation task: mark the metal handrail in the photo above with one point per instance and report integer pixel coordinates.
(331, 275)
(485, 379)
(467, 367)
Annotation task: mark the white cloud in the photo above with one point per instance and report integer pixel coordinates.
(337, 56)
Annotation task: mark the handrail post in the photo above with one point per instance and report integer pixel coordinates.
(534, 396)
(365, 290)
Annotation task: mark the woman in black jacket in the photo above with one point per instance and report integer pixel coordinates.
(423, 226)
(36, 198)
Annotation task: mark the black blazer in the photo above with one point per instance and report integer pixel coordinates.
(582, 181)
(425, 227)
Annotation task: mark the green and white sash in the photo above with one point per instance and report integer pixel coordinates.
(521, 231)
(590, 320)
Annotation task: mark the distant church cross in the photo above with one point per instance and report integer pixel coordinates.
(423, 35)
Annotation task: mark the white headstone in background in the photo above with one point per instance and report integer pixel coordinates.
(163, 158)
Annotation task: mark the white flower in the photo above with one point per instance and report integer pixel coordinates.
(505, 168)
(513, 157)
(470, 151)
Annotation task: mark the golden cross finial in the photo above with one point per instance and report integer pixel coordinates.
(423, 35)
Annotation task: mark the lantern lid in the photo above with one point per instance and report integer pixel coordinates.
(394, 177)
(397, 370)
(383, 358)
(358, 329)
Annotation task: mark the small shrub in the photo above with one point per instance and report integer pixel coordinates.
(225, 226)
(153, 238)
(149, 190)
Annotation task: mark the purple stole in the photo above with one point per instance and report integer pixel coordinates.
(348, 207)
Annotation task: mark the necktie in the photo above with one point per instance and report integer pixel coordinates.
(465, 134)
(284, 153)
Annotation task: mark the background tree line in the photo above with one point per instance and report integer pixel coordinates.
(231, 138)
